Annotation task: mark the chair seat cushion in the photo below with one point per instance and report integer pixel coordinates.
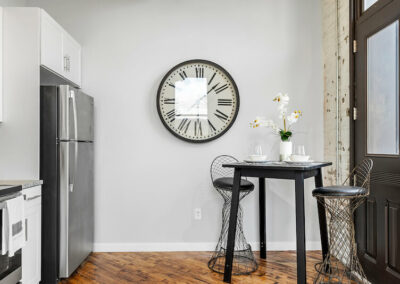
(227, 183)
(339, 191)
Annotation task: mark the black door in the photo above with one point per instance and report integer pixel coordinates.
(376, 135)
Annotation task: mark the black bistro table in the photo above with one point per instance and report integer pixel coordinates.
(277, 170)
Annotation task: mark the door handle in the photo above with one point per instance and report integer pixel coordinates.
(73, 168)
(75, 123)
(387, 232)
(74, 113)
(26, 230)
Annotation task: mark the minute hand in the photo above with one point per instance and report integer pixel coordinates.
(213, 87)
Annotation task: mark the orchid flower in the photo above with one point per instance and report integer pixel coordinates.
(285, 133)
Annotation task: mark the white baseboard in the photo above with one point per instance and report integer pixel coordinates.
(152, 247)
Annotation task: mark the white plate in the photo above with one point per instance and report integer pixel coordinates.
(251, 161)
(298, 162)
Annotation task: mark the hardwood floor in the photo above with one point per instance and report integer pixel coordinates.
(183, 267)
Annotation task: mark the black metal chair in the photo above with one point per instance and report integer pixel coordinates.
(243, 258)
(341, 265)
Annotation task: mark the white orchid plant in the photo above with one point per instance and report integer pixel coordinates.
(288, 120)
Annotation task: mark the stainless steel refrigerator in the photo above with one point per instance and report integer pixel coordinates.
(66, 167)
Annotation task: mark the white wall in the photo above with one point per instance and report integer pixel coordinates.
(13, 3)
(147, 181)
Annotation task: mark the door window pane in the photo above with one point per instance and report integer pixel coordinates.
(368, 3)
(383, 91)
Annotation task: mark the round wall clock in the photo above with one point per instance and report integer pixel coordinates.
(198, 101)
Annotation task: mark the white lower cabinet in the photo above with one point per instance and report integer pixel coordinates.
(31, 253)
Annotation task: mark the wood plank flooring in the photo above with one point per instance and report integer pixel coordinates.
(184, 267)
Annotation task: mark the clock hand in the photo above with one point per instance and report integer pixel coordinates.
(198, 101)
(213, 87)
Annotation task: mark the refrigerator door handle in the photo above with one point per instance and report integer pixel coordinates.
(74, 111)
(73, 166)
(65, 176)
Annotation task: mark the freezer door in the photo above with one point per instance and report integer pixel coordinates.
(75, 114)
(76, 205)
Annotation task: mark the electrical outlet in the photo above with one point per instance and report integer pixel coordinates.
(197, 213)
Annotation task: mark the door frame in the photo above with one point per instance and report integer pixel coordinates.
(352, 86)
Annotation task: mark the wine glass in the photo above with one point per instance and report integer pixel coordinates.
(300, 150)
(258, 150)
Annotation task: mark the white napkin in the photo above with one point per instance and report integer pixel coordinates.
(14, 224)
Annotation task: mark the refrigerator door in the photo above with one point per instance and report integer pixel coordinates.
(76, 205)
(75, 114)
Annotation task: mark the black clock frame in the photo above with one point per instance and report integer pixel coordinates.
(200, 61)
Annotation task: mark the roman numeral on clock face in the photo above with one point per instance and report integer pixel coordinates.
(183, 75)
(222, 116)
(171, 115)
(222, 88)
(199, 72)
(212, 78)
(211, 126)
(224, 102)
(197, 128)
(182, 125)
(169, 101)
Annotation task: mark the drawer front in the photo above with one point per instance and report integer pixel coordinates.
(32, 194)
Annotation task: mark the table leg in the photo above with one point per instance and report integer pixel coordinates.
(322, 218)
(232, 226)
(263, 242)
(300, 229)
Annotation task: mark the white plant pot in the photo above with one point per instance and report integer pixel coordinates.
(285, 150)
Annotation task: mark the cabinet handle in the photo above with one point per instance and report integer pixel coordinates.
(67, 64)
(31, 198)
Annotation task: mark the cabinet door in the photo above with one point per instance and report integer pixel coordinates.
(31, 253)
(51, 44)
(72, 59)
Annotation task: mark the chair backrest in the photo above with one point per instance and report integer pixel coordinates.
(361, 175)
(216, 169)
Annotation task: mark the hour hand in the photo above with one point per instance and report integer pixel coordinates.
(213, 87)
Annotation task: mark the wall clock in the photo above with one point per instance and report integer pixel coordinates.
(198, 101)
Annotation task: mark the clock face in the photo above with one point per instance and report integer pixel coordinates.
(198, 101)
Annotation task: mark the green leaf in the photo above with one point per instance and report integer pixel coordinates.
(285, 135)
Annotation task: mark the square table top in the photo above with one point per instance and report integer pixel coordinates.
(276, 165)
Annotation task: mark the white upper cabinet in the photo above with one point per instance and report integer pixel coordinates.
(59, 52)
(51, 44)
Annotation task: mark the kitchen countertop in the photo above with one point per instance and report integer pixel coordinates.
(23, 183)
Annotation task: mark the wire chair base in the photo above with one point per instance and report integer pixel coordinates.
(244, 261)
(341, 265)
